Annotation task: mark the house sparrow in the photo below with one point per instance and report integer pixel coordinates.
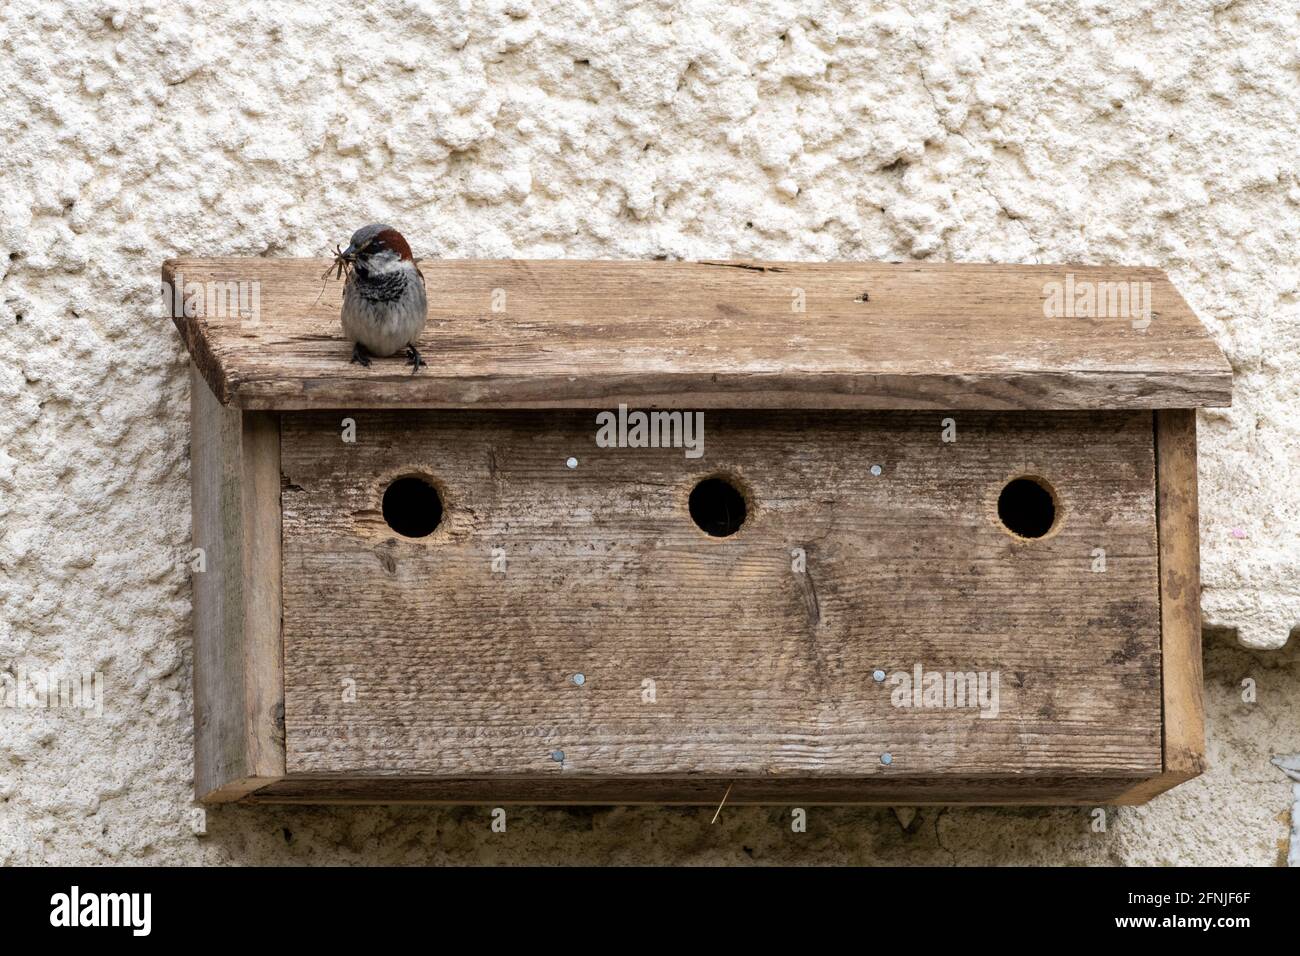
(384, 303)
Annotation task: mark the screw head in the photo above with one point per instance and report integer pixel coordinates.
(886, 759)
(876, 470)
(572, 463)
(579, 679)
(557, 756)
(878, 676)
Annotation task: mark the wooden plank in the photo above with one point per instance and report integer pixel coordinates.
(694, 791)
(238, 673)
(761, 672)
(1180, 604)
(555, 334)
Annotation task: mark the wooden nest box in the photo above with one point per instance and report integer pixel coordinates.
(900, 533)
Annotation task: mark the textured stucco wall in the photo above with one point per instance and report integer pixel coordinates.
(1133, 131)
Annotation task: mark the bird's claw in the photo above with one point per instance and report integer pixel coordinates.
(413, 359)
(360, 356)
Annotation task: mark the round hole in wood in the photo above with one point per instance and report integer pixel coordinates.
(717, 507)
(1027, 507)
(412, 507)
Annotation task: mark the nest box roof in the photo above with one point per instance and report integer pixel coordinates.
(694, 335)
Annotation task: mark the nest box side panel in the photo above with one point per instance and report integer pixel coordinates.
(1180, 577)
(454, 656)
(238, 675)
(1180, 604)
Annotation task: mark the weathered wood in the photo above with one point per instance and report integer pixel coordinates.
(1180, 590)
(694, 791)
(238, 677)
(763, 674)
(1180, 604)
(553, 334)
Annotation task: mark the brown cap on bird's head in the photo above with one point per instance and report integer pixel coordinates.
(376, 238)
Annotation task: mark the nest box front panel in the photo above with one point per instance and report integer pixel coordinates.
(563, 612)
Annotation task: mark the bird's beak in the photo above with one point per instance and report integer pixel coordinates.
(350, 252)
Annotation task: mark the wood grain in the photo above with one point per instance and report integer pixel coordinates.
(1180, 604)
(762, 674)
(709, 335)
(696, 791)
(238, 675)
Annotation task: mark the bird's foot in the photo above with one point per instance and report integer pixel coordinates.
(413, 359)
(360, 355)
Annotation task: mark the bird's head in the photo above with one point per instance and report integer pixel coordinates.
(376, 249)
